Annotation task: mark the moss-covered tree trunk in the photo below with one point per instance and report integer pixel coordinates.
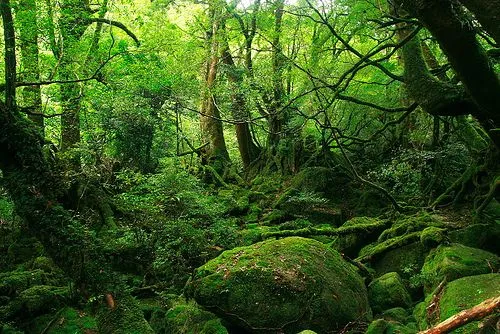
(27, 21)
(216, 154)
(73, 23)
(487, 12)
(456, 36)
(249, 151)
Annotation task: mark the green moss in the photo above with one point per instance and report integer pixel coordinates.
(188, 318)
(382, 326)
(455, 261)
(467, 292)
(42, 298)
(126, 318)
(483, 236)
(458, 295)
(71, 321)
(408, 224)
(432, 236)
(290, 284)
(388, 291)
(13, 282)
(396, 314)
(350, 244)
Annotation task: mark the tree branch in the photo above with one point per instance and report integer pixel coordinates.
(477, 312)
(118, 25)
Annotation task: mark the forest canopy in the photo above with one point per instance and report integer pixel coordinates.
(146, 144)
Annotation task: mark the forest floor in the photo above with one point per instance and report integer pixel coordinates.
(313, 252)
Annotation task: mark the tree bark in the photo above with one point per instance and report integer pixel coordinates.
(477, 312)
(74, 21)
(10, 54)
(276, 117)
(456, 37)
(488, 14)
(26, 19)
(248, 150)
(211, 125)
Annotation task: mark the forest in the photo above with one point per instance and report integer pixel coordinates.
(250, 166)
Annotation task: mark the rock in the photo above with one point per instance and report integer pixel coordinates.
(307, 331)
(432, 236)
(39, 299)
(125, 318)
(186, 318)
(381, 326)
(483, 236)
(286, 285)
(458, 295)
(455, 261)
(351, 244)
(396, 314)
(68, 320)
(388, 291)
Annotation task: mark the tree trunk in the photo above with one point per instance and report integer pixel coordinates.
(276, 117)
(488, 14)
(456, 36)
(10, 54)
(74, 22)
(26, 19)
(211, 125)
(248, 150)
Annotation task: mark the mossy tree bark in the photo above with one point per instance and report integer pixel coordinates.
(216, 154)
(448, 23)
(74, 20)
(249, 151)
(27, 21)
(488, 14)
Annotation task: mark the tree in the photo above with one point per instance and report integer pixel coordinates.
(215, 153)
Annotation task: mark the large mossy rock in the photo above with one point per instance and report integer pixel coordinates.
(285, 285)
(483, 236)
(382, 326)
(388, 291)
(455, 261)
(459, 295)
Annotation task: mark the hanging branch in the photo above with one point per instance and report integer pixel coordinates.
(118, 25)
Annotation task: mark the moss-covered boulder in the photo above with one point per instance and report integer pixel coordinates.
(382, 326)
(286, 285)
(433, 236)
(189, 318)
(351, 244)
(125, 318)
(396, 314)
(37, 300)
(66, 321)
(455, 261)
(461, 294)
(388, 291)
(483, 236)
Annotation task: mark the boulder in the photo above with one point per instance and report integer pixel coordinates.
(455, 261)
(284, 285)
(483, 236)
(186, 318)
(388, 291)
(459, 295)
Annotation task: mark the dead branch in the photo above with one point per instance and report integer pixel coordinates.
(477, 312)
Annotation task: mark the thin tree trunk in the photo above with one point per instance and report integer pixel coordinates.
(10, 54)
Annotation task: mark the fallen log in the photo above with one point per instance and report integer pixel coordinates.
(462, 318)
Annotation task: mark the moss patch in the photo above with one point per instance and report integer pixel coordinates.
(455, 261)
(289, 284)
(461, 294)
(388, 291)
